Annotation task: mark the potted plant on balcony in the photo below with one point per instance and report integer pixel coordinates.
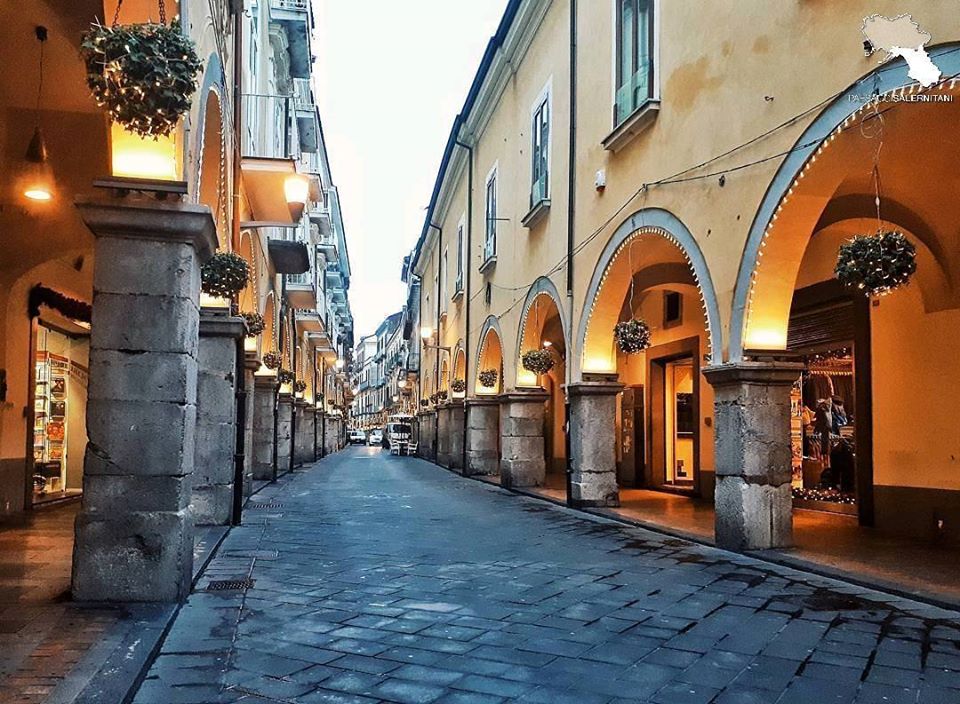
(876, 264)
(632, 336)
(224, 275)
(142, 75)
(488, 378)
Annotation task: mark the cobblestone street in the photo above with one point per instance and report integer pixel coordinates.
(369, 577)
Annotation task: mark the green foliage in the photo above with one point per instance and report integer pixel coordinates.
(143, 75)
(876, 264)
(488, 378)
(539, 362)
(632, 336)
(285, 376)
(255, 323)
(458, 386)
(224, 275)
(271, 360)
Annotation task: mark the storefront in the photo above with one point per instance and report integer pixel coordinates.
(61, 355)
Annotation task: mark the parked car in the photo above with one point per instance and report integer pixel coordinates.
(375, 438)
(358, 437)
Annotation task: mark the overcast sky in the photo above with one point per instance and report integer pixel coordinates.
(391, 76)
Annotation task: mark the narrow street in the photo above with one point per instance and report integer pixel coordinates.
(369, 577)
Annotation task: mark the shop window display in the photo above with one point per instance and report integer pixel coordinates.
(59, 410)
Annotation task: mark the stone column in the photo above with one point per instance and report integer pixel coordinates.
(214, 455)
(308, 418)
(284, 425)
(300, 439)
(264, 399)
(250, 365)
(593, 443)
(442, 424)
(134, 536)
(428, 435)
(754, 506)
(454, 433)
(522, 460)
(483, 433)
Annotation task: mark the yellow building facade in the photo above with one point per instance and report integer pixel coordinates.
(722, 152)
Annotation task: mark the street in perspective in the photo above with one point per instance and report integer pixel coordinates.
(479, 351)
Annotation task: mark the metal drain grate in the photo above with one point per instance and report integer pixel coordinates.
(254, 505)
(228, 585)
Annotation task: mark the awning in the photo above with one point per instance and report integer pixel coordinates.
(263, 181)
(289, 257)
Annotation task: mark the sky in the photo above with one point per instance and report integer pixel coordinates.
(391, 77)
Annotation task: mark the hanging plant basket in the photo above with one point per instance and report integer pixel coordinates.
(458, 385)
(488, 378)
(424, 403)
(142, 75)
(876, 264)
(539, 362)
(271, 360)
(255, 323)
(225, 275)
(285, 376)
(433, 398)
(632, 336)
(443, 395)
(300, 386)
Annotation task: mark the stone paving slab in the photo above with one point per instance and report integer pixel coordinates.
(375, 578)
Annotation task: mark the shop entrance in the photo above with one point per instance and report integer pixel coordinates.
(59, 432)
(830, 404)
(674, 403)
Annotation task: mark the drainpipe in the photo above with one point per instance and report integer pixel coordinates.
(571, 211)
(468, 268)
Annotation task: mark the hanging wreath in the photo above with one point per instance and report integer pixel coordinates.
(271, 360)
(539, 362)
(143, 75)
(488, 378)
(876, 264)
(300, 386)
(224, 275)
(458, 386)
(255, 323)
(285, 376)
(632, 336)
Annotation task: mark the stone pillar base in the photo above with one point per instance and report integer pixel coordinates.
(284, 426)
(427, 423)
(250, 364)
(482, 440)
(754, 506)
(264, 398)
(593, 442)
(522, 460)
(450, 442)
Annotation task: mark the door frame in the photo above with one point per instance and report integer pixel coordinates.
(656, 449)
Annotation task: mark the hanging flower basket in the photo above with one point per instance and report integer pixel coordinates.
(443, 395)
(285, 376)
(433, 398)
(224, 275)
(539, 362)
(632, 336)
(488, 378)
(876, 264)
(255, 323)
(458, 385)
(143, 75)
(271, 360)
(300, 386)
(424, 403)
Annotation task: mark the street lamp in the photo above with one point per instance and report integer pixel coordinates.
(296, 189)
(426, 332)
(338, 364)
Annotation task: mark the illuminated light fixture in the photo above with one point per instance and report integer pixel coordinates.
(38, 175)
(547, 344)
(339, 364)
(296, 189)
(402, 384)
(426, 333)
(134, 156)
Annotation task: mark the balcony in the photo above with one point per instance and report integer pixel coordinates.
(308, 122)
(294, 17)
(308, 320)
(320, 216)
(302, 288)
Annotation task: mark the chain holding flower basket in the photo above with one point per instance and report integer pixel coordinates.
(143, 75)
(488, 378)
(271, 360)
(458, 386)
(539, 362)
(224, 275)
(632, 336)
(255, 323)
(285, 376)
(876, 264)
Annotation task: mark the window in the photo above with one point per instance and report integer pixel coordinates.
(443, 282)
(540, 131)
(634, 56)
(490, 244)
(460, 245)
(672, 308)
